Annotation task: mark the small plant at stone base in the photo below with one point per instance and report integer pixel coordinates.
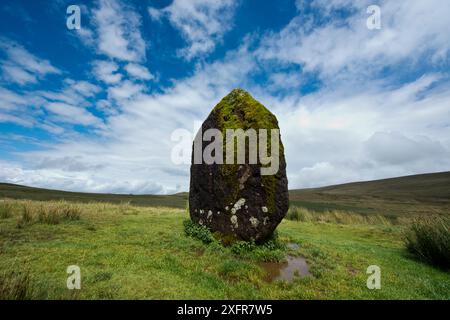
(429, 240)
(197, 231)
(271, 250)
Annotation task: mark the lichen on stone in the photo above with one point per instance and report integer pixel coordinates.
(234, 220)
(254, 222)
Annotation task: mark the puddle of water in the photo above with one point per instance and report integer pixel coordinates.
(294, 267)
(293, 246)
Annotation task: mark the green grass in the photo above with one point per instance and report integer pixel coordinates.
(429, 240)
(129, 252)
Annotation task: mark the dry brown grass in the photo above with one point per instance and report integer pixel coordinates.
(52, 212)
(336, 216)
(15, 285)
(6, 209)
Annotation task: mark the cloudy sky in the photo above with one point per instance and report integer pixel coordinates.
(95, 109)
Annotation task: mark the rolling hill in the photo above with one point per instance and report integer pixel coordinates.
(423, 193)
(416, 194)
(15, 191)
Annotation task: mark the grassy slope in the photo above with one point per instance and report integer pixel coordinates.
(143, 253)
(14, 191)
(411, 195)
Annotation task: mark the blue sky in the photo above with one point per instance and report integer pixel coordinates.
(95, 109)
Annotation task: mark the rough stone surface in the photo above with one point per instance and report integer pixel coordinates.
(235, 200)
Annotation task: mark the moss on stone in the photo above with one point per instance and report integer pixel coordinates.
(270, 187)
(239, 110)
(225, 239)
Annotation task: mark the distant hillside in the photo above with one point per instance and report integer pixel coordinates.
(423, 193)
(417, 194)
(14, 191)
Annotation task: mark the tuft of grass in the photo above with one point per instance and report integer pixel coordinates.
(6, 209)
(70, 212)
(26, 216)
(15, 285)
(48, 213)
(429, 239)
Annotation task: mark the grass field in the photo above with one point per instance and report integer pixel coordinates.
(134, 247)
(127, 252)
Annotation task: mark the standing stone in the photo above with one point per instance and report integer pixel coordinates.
(235, 200)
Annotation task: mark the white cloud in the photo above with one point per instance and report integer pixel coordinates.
(10, 100)
(4, 117)
(410, 29)
(118, 31)
(396, 149)
(19, 55)
(72, 179)
(72, 114)
(106, 107)
(202, 23)
(17, 74)
(84, 88)
(15, 108)
(106, 71)
(73, 92)
(21, 66)
(138, 71)
(124, 90)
